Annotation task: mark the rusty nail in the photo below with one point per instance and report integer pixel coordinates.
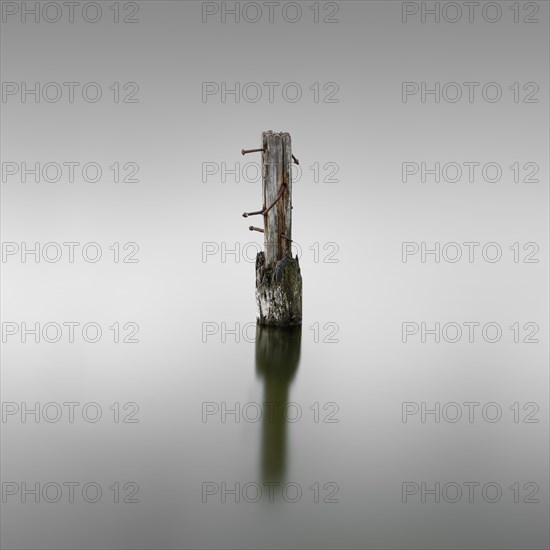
(252, 228)
(246, 214)
(246, 151)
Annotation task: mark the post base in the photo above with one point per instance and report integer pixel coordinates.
(279, 292)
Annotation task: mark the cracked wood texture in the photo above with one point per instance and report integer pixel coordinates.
(277, 174)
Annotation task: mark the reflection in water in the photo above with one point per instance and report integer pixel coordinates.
(277, 359)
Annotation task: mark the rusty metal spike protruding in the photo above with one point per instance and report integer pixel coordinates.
(246, 214)
(246, 151)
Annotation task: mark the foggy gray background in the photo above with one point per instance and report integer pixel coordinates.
(171, 292)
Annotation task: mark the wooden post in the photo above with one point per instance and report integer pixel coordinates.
(278, 277)
(277, 191)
